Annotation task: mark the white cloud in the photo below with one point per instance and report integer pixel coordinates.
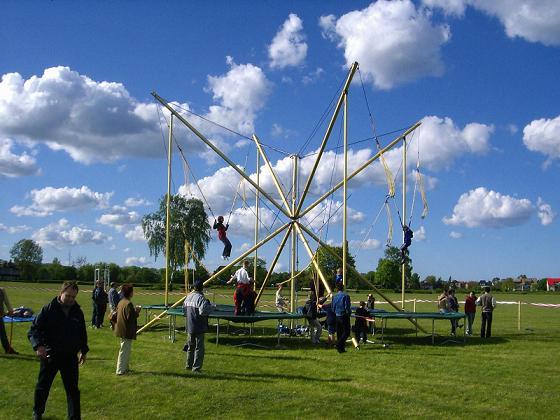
(545, 212)
(367, 244)
(455, 235)
(486, 208)
(136, 234)
(288, 48)
(512, 128)
(136, 202)
(244, 247)
(126, 250)
(449, 7)
(330, 212)
(13, 229)
(13, 165)
(312, 76)
(119, 218)
(138, 261)
(393, 41)
(240, 94)
(420, 234)
(543, 136)
(61, 235)
(281, 132)
(532, 20)
(49, 199)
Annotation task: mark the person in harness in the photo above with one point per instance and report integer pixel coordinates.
(244, 296)
(408, 235)
(222, 236)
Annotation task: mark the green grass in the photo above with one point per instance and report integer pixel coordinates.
(513, 375)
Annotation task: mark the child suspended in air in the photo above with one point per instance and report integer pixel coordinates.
(222, 236)
(408, 235)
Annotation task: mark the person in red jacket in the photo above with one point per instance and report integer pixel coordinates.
(222, 236)
(470, 311)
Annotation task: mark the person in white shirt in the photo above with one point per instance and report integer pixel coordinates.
(243, 298)
(281, 303)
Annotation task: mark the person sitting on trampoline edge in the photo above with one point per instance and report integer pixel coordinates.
(243, 292)
(222, 236)
(408, 235)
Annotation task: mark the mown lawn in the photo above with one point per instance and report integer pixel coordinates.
(513, 375)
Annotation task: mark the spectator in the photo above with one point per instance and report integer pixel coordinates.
(443, 306)
(196, 308)
(58, 336)
(100, 299)
(470, 311)
(315, 327)
(281, 303)
(126, 327)
(114, 297)
(361, 323)
(488, 303)
(370, 303)
(342, 310)
(453, 306)
(330, 321)
(5, 303)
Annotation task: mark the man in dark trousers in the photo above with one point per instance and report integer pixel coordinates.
(488, 303)
(100, 299)
(196, 308)
(58, 336)
(342, 310)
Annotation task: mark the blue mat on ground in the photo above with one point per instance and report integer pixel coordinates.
(8, 319)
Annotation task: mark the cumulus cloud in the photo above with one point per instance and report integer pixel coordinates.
(455, 235)
(119, 218)
(137, 261)
(99, 121)
(393, 41)
(136, 202)
(13, 229)
(136, 234)
(545, 212)
(312, 76)
(486, 208)
(532, 20)
(420, 234)
(367, 244)
(48, 200)
(240, 94)
(288, 48)
(14, 165)
(61, 235)
(543, 136)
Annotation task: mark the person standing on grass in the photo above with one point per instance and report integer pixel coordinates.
(361, 323)
(5, 303)
(330, 321)
(488, 303)
(125, 327)
(114, 297)
(453, 306)
(315, 327)
(196, 308)
(470, 311)
(280, 301)
(99, 298)
(58, 336)
(342, 310)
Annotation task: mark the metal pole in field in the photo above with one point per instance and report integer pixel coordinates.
(345, 180)
(168, 211)
(294, 237)
(403, 266)
(256, 259)
(187, 267)
(519, 316)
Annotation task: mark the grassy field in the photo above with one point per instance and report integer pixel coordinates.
(515, 374)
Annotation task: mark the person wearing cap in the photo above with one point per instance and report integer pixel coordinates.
(196, 308)
(5, 303)
(342, 310)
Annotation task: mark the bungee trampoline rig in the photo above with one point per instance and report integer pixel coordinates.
(293, 206)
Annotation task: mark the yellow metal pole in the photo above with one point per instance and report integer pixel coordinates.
(272, 173)
(403, 266)
(345, 181)
(187, 267)
(220, 153)
(294, 237)
(256, 259)
(353, 69)
(314, 260)
(519, 316)
(360, 169)
(168, 210)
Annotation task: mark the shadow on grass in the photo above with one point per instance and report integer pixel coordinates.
(259, 377)
(441, 340)
(22, 357)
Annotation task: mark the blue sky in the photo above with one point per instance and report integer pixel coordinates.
(82, 154)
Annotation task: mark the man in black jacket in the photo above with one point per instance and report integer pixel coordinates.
(58, 335)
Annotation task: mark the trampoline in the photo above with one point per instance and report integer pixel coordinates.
(225, 312)
(415, 316)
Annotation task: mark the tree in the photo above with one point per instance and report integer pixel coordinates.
(388, 274)
(28, 256)
(188, 222)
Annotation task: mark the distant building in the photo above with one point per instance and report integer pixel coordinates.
(552, 284)
(8, 271)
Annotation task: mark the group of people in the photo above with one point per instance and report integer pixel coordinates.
(58, 336)
(447, 302)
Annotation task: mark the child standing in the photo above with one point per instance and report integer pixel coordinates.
(222, 236)
(360, 325)
(470, 311)
(330, 321)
